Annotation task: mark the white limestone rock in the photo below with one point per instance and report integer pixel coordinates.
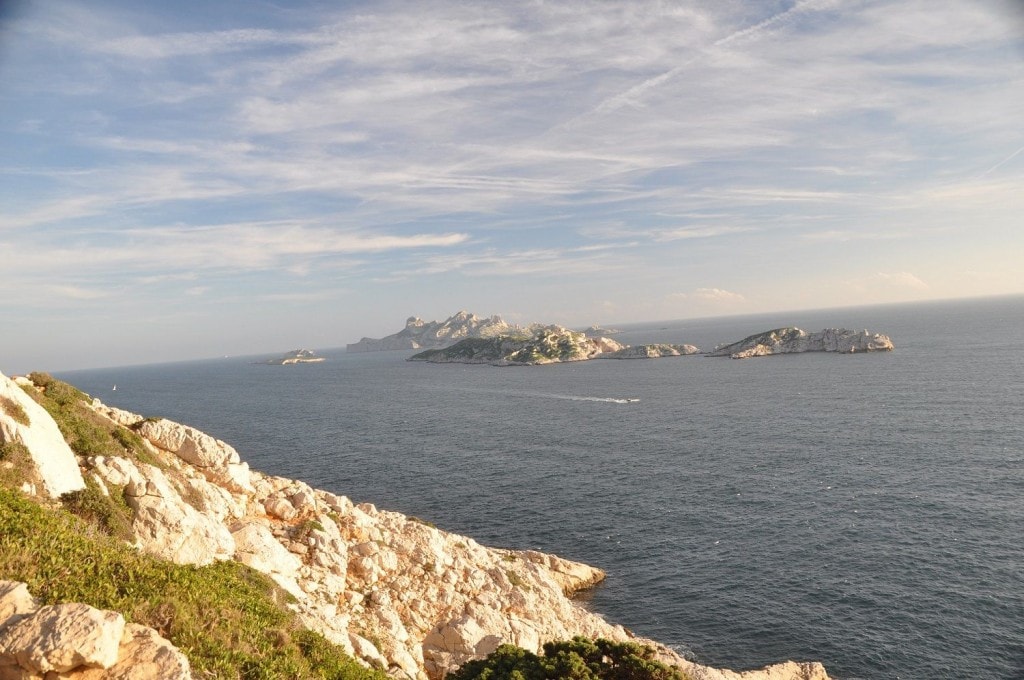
(78, 642)
(171, 528)
(795, 340)
(53, 459)
(62, 637)
(15, 600)
(215, 459)
(142, 655)
(256, 546)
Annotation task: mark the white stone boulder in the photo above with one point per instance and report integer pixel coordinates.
(170, 528)
(215, 459)
(62, 637)
(52, 457)
(143, 655)
(78, 642)
(256, 546)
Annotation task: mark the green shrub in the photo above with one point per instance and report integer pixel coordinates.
(578, 659)
(228, 619)
(15, 410)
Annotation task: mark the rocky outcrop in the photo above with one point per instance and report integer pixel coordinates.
(651, 352)
(420, 334)
(78, 642)
(548, 345)
(296, 356)
(23, 421)
(596, 331)
(393, 590)
(794, 340)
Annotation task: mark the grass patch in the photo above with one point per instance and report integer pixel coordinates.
(14, 410)
(227, 618)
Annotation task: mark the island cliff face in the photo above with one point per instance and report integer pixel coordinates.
(396, 592)
(420, 334)
(793, 340)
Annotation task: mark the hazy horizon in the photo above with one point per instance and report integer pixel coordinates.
(780, 315)
(193, 180)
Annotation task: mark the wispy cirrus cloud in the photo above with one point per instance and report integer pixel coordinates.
(427, 142)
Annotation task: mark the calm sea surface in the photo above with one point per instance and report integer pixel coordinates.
(862, 510)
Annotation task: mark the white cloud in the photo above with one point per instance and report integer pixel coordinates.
(716, 296)
(683, 233)
(898, 280)
(78, 292)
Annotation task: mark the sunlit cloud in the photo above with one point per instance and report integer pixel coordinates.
(710, 295)
(159, 153)
(899, 280)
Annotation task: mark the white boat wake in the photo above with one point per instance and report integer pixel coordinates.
(565, 397)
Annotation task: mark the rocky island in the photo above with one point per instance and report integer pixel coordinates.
(551, 344)
(420, 334)
(793, 340)
(146, 539)
(297, 356)
(547, 345)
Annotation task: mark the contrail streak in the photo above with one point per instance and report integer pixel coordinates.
(1002, 162)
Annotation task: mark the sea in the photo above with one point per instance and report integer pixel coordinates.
(865, 511)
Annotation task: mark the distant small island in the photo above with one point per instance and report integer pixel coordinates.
(297, 356)
(596, 331)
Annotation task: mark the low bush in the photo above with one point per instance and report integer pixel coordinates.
(578, 659)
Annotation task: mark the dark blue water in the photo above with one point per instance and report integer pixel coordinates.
(862, 510)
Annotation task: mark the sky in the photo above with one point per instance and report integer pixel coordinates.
(184, 179)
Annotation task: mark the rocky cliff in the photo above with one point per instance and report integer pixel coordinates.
(396, 592)
(420, 334)
(794, 340)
